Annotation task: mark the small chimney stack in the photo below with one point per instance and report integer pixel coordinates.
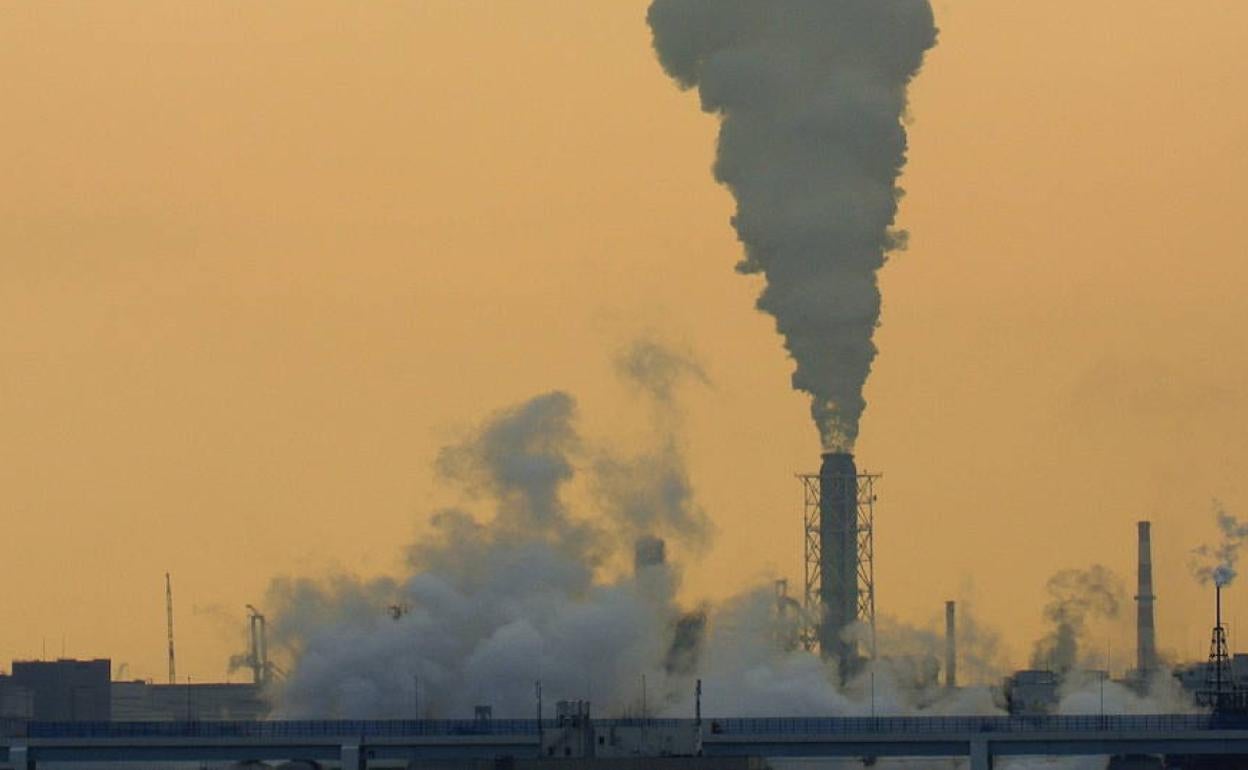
(649, 551)
(951, 645)
(1145, 632)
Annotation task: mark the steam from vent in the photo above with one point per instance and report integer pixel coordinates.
(521, 591)
(548, 573)
(1075, 597)
(811, 94)
(1216, 563)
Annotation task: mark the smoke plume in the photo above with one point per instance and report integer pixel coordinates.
(1075, 597)
(1216, 563)
(811, 95)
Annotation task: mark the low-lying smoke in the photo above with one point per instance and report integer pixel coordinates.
(1075, 597)
(1216, 563)
(495, 603)
(539, 588)
(811, 95)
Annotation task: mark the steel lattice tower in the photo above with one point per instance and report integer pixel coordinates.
(1218, 681)
(812, 492)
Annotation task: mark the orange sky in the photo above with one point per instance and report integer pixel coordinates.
(259, 261)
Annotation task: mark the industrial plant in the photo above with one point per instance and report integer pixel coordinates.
(835, 620)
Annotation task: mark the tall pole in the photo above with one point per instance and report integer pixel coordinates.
(1103, 673)
(873, 694)
(1217, 669)
(173, 671)
(697, 701)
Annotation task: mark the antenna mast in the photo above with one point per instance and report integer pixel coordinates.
(173, 672)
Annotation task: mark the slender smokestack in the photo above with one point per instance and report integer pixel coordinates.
(1145, 632)
(838, 566)
(951, 645)
(649, 551)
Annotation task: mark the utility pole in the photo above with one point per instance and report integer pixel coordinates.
(537, 689)
(173, 671)
(697, 704)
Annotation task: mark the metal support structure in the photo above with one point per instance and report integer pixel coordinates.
(1218, 682)
(258, 648)
(809, 635)
(20, 759)
(353, 757)
(981, 755)
(813, 552)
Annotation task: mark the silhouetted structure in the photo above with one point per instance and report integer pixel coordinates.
(66, 690)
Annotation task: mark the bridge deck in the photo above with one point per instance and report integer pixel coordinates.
(980, 738)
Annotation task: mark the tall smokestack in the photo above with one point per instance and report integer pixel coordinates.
(951, 645)
(838, 566)
(1145, 632)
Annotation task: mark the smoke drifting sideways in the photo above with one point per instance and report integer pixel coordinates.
(1075, 597)
(811, 95)
(1216, 563)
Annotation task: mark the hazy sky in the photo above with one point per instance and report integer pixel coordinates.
(258, 261)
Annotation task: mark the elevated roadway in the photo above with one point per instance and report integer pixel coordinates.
(352, 744)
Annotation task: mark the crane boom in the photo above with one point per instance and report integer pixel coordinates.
(173, 672)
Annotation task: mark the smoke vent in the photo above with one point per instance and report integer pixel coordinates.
(649, 551)
(951, 645)
(1145, 632)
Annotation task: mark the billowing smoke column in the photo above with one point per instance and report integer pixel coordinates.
(1075, 597)
(838, 562)
(811, 94)
(1145, 630)
(1216, 563)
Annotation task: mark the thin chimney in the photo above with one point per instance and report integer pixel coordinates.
(951, 645)
(1145, 632)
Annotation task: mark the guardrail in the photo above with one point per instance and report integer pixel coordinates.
(1003, 724)
(280, 729)
(731, 726)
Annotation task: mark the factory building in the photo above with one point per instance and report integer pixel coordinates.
(58, 690)
(82, 691)
(140, 701)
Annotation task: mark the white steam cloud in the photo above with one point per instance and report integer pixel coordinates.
(1076, 596)
(1216, 563)
(811, 94)
(584, 600)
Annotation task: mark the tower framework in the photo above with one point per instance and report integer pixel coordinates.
(1219, 691)
(863, 534)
